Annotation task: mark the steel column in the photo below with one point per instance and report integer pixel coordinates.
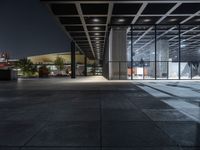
(73, 60)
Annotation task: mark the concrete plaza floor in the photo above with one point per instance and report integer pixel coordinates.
(95, 114)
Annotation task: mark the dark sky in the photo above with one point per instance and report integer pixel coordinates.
(27, 28)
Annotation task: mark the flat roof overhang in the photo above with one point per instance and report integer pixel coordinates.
(87, 22)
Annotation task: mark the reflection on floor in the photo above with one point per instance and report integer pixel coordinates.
(182, 96)
(83, 114)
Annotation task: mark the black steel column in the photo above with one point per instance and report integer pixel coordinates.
(155, 51)
(131, 52)
(73, 60)
(85, 70)
(179, 52)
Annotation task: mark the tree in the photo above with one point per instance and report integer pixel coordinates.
(27, 67)
(59, 62)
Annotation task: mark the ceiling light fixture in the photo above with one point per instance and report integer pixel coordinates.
(96, 33)
(173, 19)
(96, 28)
(96, 20)
(147, 20)
(121, 20)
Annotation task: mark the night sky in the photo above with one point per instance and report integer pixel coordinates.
(27, 28)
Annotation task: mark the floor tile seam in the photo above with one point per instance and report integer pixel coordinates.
(189, 115)
(140, 109)
(74, 122)
(162, 130)
(100, 122)
(97, 146)
(106, 121)
(165, 133)
(35, 134)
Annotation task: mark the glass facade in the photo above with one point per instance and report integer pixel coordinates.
(162, 52)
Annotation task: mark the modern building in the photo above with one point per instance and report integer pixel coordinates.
(122, 40)
(84, 66)
(143, 39)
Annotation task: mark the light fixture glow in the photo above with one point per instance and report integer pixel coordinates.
(121, 20)
(173, 19)
(96, 28)
(96, 33)
(147, 20)
(96, 20)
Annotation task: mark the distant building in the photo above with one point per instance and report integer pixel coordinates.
(50, 58)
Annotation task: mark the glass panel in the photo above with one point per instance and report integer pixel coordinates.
(90, 70)
(185, 70)
(143, 52)
(190, 43)
(195, 70)
(149, 70)
(173, 72)
(162, 70)
(98, 70)
(138, 70)
(129, 70)
(143, 43)
(167, 43)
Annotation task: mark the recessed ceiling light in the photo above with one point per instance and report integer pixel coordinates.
(96, 20)
(173, 19)
(96, 28)
(121, 20)
(96, 33)
(97, 38)
(147, 20)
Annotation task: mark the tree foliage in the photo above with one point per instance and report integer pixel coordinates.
(27, 67)
(59, 63)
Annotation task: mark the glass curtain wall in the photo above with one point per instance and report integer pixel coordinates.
(167, 52)
(190, 52)
(163, 52)
(143, 52)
